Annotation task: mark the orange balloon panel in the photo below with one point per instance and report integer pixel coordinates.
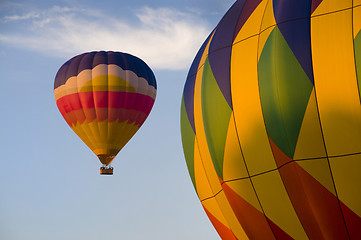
(105, 97)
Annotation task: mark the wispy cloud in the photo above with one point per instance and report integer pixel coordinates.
(29, 15)
(165, 38)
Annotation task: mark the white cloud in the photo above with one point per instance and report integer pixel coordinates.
(164, 38)
(26, 16)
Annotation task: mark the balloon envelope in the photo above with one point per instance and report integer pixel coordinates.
(271, 121)
(105, 97)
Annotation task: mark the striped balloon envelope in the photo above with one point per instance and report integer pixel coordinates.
(105, 97)
(271, 120)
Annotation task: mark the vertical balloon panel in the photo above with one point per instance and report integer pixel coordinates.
(271, 121)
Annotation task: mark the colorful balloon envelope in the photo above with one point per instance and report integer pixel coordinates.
(271, 120)
(105, 97)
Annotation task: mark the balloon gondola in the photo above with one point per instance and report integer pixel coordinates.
(105, 97)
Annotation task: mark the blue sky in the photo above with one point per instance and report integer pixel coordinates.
(50, 187)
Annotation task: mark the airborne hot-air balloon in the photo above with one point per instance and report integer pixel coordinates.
(105, 97)
(271, 120)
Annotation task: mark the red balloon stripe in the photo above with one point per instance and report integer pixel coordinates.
(106, 99)
(103, 105)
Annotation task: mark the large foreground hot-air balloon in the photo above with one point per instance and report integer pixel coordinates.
(105, 97)
(271, 120)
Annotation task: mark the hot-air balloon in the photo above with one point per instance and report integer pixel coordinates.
(105, 97)
(271, 120)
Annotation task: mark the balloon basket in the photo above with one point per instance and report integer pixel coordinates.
(106, 170)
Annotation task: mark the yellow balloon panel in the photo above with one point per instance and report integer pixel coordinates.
(347, 178)
(233, 164)
(201, 137)
(356, 17)
(251, 129)
(104, 137)
(277, 205)
(249, 29)
(336, 83)
(310, 143)
(268, 19)
(205, 188)
(330, 6)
